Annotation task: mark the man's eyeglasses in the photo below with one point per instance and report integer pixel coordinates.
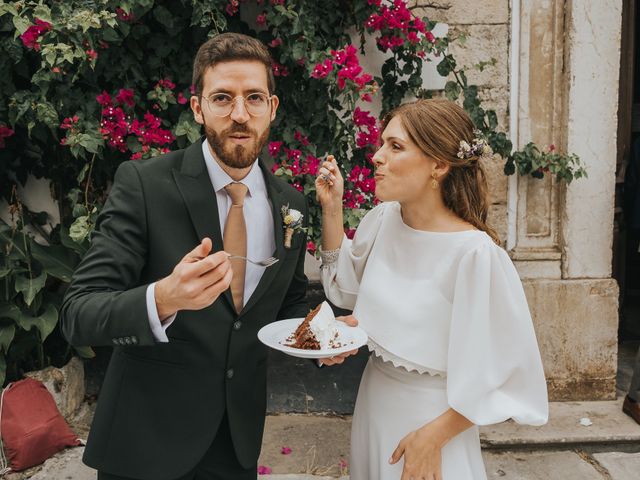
(222, 104)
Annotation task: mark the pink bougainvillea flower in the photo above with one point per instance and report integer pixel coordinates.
(274, 148)
(287, 450)
(232, 7)
(125, 97)
(124, 16)
(104, 99)
(91, 54)
(5, 132)
(292, 154)
(261, 19)
(311, 247)
(32, 34)
(276, 42)
(165, 83)
(182, 99)
(69, 122)
(312, 165)
(361, 118)
(279, 70)
(263, 470)
(430, 37)
(322, 69)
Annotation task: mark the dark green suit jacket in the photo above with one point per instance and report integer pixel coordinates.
(161, 403)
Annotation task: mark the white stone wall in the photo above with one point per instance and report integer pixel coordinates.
(593, 66)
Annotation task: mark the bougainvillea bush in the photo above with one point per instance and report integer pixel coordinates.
(87, 85)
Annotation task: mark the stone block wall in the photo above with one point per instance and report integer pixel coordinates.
(486, 26)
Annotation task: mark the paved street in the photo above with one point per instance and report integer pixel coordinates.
(606, 447)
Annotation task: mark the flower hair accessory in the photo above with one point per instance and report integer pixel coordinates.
(478, 148)
(292, 220)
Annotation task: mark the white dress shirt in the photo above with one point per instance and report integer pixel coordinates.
(258, 216)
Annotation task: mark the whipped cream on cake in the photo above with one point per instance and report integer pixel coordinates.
(318, 331)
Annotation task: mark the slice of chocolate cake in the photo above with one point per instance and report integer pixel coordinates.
(317, 331)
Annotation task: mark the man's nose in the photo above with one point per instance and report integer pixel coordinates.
(239, 113)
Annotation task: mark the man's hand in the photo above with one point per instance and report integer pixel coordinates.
(195, 283)
(352, 322)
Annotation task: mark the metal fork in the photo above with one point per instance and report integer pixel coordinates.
(267, 262)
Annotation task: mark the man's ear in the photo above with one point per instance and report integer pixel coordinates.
(275, 101)
(196, 108)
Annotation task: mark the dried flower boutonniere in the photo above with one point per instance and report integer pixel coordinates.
(292, 220)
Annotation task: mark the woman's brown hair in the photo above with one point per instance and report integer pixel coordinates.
(437, 126)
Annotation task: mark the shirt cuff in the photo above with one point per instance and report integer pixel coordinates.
(157, 328)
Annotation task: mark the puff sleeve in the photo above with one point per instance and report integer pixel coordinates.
(494, 366)
(341, 279)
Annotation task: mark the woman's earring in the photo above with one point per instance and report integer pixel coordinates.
(434, 183)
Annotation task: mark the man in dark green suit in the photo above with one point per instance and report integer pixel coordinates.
(185, 393)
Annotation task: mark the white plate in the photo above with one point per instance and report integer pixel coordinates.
(275, 335)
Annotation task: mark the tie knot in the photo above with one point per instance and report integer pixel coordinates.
(237, 192)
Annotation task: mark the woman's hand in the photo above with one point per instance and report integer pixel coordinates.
(330, 185)
(338, 359)
(422, 455)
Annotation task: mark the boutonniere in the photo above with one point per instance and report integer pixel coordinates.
(292, 220)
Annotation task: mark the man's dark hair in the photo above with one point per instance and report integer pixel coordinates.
(228, 47)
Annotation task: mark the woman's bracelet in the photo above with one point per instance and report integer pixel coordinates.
(329, 257)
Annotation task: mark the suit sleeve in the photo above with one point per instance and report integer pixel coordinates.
(295, 304)
(106, 302)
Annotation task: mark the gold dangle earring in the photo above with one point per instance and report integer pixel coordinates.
(434, 183)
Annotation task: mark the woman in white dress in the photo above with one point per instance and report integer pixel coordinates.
(452, 341)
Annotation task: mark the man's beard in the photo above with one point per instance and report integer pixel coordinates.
(238, 156)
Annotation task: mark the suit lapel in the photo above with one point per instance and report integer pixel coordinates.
(199, 197)
(277, 201)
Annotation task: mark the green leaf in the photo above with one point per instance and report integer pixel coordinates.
(164, 17)
(46, 113)
(4, 272)
(45, 323)
(42, 12)
(21, 25)
(29, 287)
(85, 352)
(8, 8)
(80, 228)
(10, 310)
(56, 260)
(7, 332)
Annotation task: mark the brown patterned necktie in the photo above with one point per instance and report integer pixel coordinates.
(235, 240)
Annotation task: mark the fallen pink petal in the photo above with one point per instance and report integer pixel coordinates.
(285, 450)
(263, 470)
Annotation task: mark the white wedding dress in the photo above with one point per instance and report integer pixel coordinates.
(449, 327)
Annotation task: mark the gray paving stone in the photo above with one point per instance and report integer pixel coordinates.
(609, 425)
(66, 465)
(538, 466)
(621, 466)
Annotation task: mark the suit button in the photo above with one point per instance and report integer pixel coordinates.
(237, 325)
(230, 373)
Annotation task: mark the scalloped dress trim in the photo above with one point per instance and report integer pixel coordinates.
(398, 362)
